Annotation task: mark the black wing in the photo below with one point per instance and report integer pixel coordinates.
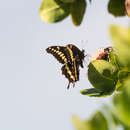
(71, 72)
(76, 53)
(59, 52)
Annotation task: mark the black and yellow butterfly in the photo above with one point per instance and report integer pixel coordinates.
(72, 57)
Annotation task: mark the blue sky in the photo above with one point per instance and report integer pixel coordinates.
(33, 94)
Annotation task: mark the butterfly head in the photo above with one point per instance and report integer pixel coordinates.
(80, 57)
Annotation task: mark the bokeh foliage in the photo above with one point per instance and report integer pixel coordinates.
(113, 117)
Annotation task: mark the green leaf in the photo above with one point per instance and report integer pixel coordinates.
(77, 11)
(91, 92)
(122, 104)
(94, 93)
(53, 10)
(121, 40)
(102, 75)
(68, 1)
(117, 7)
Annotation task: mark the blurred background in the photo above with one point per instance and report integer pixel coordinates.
(33, 93)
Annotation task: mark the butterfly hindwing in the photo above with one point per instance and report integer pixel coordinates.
(59, 53)
(67, 71)
(71, 72)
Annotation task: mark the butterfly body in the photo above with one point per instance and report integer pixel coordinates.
(71, 57)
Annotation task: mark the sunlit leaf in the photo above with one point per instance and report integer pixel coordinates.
(53, 10)
(102, 75)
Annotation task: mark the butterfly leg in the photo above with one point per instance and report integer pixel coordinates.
(68, 86)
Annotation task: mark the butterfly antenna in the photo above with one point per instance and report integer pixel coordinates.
(41, 51)
(84, 44)
(73, 85)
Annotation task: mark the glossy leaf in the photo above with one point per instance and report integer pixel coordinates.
(102, 75)
(77, 11)
(53, 10)
(94, 93)
(117, 7)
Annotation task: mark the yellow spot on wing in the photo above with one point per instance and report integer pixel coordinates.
(72, 77)
(70, 73)
(59, 53)
(71, 53)
(75, 69)
(63, 58)
(58, 48)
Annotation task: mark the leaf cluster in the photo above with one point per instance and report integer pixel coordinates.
(53, 11)
(109, 76)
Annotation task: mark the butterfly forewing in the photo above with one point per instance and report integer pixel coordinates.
(59, 53)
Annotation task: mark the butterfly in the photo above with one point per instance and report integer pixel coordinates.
(71, 57)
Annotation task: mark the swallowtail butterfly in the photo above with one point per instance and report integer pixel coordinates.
(71, 57)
